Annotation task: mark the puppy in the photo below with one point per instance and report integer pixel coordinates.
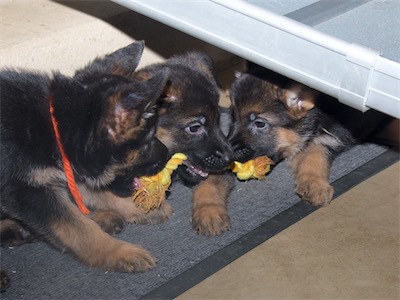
(107, 122)
(188, 122)
(281, 119)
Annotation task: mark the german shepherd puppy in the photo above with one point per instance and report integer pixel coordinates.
(281, 119)
(107, 125)
(188, 122)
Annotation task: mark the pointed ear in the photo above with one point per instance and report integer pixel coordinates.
(131, 111)
(199, 61)
(299, 99)
(169, 94)
(122, 62)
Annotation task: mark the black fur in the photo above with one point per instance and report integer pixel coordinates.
(107, 123)
(189, 116)
(281, 119)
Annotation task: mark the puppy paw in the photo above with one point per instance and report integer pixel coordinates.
(4, 281)
(156, 216)
(317, 191)
(109, 221)
(130, 258)
(210, 220)
(14, 234)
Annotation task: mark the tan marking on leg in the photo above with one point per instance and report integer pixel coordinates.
(209, 213)
(311, 168)
(124, 207)
(93, 247)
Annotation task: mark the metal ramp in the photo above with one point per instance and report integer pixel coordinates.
(349, 49)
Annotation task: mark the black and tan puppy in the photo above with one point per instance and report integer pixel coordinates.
(285, 120)
(188, 122)
(107, 126)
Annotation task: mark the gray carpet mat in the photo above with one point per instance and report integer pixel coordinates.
(38, 271)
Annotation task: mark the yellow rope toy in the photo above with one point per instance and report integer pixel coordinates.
(254, 168)
(150, 190)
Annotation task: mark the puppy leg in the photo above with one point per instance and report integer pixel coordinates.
(84, 238)
(109, 221)
(4, 281)
(50, 212)
(209, 213)
(114, 218)
(311, 168)
(113, 211)
(13, 233)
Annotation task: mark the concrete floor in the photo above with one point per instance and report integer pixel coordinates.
(348, 250)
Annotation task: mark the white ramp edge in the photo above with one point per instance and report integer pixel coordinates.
(356, 75)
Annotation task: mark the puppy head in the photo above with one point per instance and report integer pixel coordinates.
(189, 116)
(117, 115)
(267, 118)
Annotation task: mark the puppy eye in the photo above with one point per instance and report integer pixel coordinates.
(260, 124)
(195, 129)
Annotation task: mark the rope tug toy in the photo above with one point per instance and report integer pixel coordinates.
(255, 168)
(150, 190)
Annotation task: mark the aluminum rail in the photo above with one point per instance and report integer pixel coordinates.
(356, 75)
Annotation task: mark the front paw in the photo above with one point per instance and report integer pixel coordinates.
(210, 220)
(13, 233)
(109, 221)
(315, 190)
(159, 215)
(4, 281)
(131, 258)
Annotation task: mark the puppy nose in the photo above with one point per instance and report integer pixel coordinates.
(242, 152)
(225, 157)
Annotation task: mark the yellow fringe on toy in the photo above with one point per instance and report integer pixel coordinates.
(150, 190)
(254, 168)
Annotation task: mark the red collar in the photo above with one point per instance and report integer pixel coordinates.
(69, 173)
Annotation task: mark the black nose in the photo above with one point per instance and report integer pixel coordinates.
(225, 157)
(243, 153)
(219, 161)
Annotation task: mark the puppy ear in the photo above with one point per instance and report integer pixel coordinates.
(169, 94)
(131, 111)
(299, 99)
(122, 62)
(237, 74)
(197, 60)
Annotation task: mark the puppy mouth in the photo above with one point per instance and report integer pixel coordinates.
(195, 170)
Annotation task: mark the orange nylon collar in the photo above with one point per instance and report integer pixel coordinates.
(69, 173)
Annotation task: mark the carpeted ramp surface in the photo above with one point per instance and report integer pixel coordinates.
(258, 210)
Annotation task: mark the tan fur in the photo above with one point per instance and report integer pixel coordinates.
(299, 99)
(311, 168)
(143, 75)
(94, 247)
(209, 213)
(132, 156)
(289, 142)
(203, 68)
(119, 69)
(172, 93)
(119, 123)
(165, 137)
(123, 208)
(19, 235)
(45, 176)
